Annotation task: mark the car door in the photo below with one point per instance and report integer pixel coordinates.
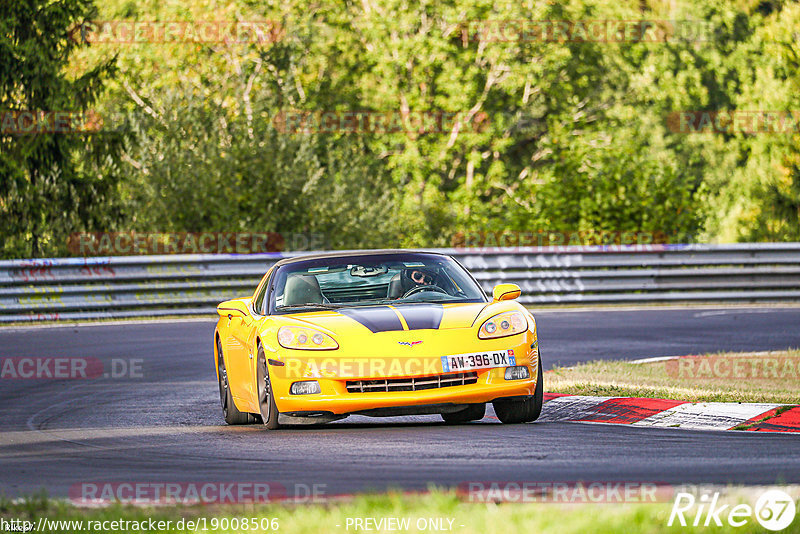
(247, 331)
(236, 353)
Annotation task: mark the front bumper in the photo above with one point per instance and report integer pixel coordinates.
(334, 397)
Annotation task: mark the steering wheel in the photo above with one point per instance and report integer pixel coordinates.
(418, 289)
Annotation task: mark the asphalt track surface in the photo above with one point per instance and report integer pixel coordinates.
(166, 426)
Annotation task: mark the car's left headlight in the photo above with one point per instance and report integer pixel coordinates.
(296, 337)
(503, 324)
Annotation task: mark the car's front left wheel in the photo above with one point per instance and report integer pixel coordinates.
(266, 399)
(522, 411)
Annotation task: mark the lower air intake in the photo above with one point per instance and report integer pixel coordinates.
(412, 384)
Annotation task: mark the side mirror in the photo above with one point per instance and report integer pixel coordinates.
(506, 292)
(233, 308)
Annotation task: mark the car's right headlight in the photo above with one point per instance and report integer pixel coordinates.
(302, 338)
(503, 324)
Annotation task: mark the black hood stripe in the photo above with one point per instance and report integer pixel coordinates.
(422, 316)
(376, 318)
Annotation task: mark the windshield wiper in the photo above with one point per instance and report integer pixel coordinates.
(310, 305)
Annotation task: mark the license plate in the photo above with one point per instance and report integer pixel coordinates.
(479, 360)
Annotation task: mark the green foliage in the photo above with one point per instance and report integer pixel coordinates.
(761, 200)
(553, 135)
(574, 509)
(50, 183)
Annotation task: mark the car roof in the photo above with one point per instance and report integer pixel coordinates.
(352, 253)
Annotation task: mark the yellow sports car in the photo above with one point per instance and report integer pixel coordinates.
(378, 333)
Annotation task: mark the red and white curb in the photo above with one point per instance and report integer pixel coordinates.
(757, 417)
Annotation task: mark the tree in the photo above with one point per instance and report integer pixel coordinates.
(759, 198)
(53, 179)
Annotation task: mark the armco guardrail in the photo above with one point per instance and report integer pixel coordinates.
(137, 286)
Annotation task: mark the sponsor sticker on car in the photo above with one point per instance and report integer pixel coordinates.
(478, 360)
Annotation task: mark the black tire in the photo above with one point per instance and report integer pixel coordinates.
(230, 412)
(266, 400)
(522, 411)
(473, 412)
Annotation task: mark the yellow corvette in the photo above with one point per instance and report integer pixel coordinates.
(377, 333)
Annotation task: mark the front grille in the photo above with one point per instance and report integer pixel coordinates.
(412, 384)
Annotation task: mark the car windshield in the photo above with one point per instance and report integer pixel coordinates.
(329, 283)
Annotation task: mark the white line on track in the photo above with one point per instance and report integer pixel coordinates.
(667, 358)
(656, 359)
(733, 310)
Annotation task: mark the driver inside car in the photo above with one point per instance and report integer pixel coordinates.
(409, 279)
(420, 278)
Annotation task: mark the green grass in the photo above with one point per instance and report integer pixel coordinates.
(654, 380)
(468, 518)
(777, 412)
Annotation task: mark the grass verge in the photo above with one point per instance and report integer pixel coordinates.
(722, 377)
(449, 509)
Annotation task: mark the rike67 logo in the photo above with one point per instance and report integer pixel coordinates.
(774, 510)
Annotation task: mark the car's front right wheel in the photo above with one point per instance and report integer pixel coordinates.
(522, 411)
(266, 398)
